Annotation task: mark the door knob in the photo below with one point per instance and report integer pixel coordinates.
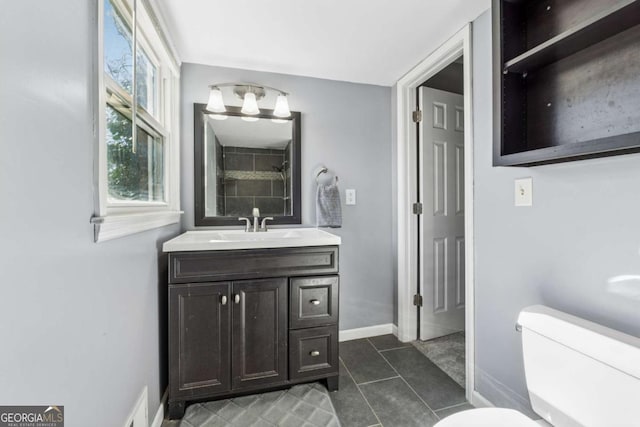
(314, 302)
(314, 353)
(223, 300)
(236, 298)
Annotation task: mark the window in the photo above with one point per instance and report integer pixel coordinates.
(138, 176)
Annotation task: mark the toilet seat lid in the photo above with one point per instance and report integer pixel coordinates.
(489, 417)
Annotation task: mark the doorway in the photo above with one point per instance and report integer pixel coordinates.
(440, 149)
(440, 152)
(415, 249)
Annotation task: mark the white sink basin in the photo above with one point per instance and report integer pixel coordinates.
(235, 235)
(239, 239)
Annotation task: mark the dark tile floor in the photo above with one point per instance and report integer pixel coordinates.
(384, 382)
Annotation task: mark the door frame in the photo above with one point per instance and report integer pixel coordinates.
(407, 175)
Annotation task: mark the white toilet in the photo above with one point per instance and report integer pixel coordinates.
(578, 374)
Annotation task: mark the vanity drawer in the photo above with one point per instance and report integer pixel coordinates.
(313, 352)
(211, 266)
(313, 301)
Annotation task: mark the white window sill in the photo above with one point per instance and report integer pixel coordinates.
(114, 226)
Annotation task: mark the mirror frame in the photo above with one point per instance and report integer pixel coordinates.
(198, 157)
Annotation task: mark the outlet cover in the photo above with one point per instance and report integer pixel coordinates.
(524, 192)
(350, 196)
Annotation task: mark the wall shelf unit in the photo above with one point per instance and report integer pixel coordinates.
(566, 80)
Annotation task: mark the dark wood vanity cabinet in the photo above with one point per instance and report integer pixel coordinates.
(199, 339)
(247, 331)
(313, 323)
(259, 333)
(566, 80)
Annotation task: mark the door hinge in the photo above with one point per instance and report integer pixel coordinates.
(417, 116)
(417, 300)
(417, 208)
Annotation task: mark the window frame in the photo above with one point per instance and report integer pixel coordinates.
(113, 219)
(147, 123)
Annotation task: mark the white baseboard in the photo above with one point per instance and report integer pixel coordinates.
(479, 401)
(157, 420)
(406, 337)
(501, 395)
(366, 332)
(139, 414)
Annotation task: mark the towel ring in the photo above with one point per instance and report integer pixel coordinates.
(321, 170)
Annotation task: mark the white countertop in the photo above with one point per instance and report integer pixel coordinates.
(214, 240)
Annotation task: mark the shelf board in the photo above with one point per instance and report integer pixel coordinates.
(609, 146)
(615, 20)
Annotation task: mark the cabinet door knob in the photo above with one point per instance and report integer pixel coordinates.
(236, 298)
(314, 353)
(223, 300)
(314, 302)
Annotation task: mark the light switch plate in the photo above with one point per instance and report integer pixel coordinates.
(350, 194)
(524, 192)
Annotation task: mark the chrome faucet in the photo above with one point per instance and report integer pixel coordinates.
(247, 224)
(256, 215)
(256, 219)
(263, 226)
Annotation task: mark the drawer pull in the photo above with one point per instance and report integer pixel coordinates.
(314, 353)
(236, 298)
(223, 300)
(314, 302)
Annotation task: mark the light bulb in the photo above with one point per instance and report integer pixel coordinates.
(216, 103)
(249, 118)
(250, 105)
(282, 107)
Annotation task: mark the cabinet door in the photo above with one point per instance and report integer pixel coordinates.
(199, 339)
(259, 329)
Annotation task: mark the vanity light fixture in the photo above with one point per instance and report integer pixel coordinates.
(216, 103)
(250, 94)
(250, 104)
(282, 107)
(249, 107)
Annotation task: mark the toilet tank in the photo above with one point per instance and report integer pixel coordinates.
(579, 373)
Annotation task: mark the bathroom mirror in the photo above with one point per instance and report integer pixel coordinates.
(242, 164)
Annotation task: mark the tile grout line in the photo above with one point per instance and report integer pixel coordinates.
(377, 381)
(387, 349)
(360, 391)
(423, 349)
(452, 406)
(383, 358)
(411, 388)
(394, 348)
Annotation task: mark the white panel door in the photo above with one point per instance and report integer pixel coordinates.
(441, 176)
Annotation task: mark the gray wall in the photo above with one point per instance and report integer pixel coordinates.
(345, 126)
(581, 232)
(79, 321)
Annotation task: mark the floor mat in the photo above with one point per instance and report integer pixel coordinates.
(305, 405)
(447, 353)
